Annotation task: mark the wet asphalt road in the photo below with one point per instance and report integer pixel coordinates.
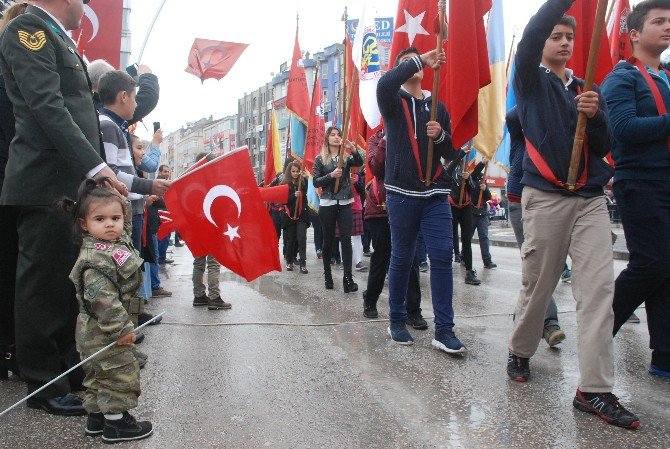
(213, 382)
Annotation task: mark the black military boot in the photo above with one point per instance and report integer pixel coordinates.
(125, 429)
(328, 276)
(8, 361)
(348, 283)
(94, 424)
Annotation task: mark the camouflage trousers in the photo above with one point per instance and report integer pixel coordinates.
(213, 270)
(112, 382)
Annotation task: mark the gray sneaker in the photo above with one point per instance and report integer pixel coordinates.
(553, 335)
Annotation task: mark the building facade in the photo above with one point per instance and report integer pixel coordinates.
(253, 117)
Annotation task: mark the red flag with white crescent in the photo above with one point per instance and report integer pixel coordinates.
(218, 211)
(99, 36)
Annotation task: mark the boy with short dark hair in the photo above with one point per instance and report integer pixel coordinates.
(561, 219)
(638, 94)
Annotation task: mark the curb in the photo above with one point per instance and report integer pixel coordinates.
(618, 255)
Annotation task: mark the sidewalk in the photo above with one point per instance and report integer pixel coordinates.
(501, 234)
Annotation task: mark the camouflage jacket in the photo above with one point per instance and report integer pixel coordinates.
(107, 277)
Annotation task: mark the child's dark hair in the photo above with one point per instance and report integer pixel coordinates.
(112, 83)
(90, 191)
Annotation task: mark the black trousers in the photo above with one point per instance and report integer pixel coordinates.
(380, 236)
(463, 217)
(340, 216)
(295, 235)
(644, 207)
(46, 307)
(8, 256)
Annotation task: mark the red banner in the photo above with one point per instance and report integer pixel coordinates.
(100, 34)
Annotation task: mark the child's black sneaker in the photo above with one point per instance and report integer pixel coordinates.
(94, 424)
(125, 429)
(607, 407)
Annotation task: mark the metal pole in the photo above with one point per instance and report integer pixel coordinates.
(75, 367)
(151, 27)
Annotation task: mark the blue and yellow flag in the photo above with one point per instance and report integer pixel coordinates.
(492, 97)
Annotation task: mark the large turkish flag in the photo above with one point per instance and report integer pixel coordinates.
(584, 11)
(218, 210)
(100, 34)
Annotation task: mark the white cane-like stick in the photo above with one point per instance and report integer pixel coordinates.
(109, 346)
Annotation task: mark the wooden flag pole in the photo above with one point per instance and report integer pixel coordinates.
(345, 127)
(578, 144)
(435, 93)
(481, 193)
(302, 165)
(611, 10)
(465, 165)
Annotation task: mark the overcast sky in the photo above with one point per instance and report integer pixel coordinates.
(267, 25)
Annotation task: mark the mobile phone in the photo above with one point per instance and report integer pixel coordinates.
(157, 126)
(132, 70)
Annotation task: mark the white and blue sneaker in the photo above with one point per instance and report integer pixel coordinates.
(448, 342)
(400, 334)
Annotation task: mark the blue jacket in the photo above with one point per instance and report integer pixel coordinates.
(640, 146)
(402, 174)
(548, 112)
(516, 152)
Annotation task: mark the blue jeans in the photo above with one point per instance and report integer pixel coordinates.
(155, 281)
(420, 249)
(162, 248)
(138, 224)
(432, 217)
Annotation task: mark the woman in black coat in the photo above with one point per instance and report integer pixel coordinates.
(295, 225)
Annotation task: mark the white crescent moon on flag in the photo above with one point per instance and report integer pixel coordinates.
(93, 17)
(216, 192)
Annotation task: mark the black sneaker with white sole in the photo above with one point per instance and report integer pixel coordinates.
(518, 368)
(95, 423)
(125, 429)
(607, 407)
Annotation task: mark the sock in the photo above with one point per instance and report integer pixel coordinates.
(114, 417)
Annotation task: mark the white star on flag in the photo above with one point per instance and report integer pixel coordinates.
(232, 233)
(413, 26)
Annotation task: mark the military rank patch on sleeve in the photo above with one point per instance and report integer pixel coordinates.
(33, 42)
(121, 256)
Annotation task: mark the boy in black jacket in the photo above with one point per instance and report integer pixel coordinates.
(412, 206)
(559, 220)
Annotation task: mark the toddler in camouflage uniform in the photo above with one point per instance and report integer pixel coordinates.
(107, 277)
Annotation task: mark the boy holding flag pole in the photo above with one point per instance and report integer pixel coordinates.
(560, 217)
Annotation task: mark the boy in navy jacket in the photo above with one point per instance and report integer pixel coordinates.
(638, 96)
(412, 206)
(558, 220)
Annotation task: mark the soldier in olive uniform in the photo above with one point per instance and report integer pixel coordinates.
(107, 278)
(57, 144)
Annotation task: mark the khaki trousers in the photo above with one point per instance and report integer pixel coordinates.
(213, 271)
(556, 225)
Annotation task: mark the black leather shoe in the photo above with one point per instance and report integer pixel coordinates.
(68, 405)
(348, 283)
(144, 317)
(125, 429)
(417, 322)
(94, 424)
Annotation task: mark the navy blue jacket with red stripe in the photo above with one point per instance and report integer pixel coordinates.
(402, 174)
(548, 112)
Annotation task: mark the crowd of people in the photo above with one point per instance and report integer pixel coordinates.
(70, 160)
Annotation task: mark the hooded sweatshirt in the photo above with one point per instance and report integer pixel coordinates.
(405, 119)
